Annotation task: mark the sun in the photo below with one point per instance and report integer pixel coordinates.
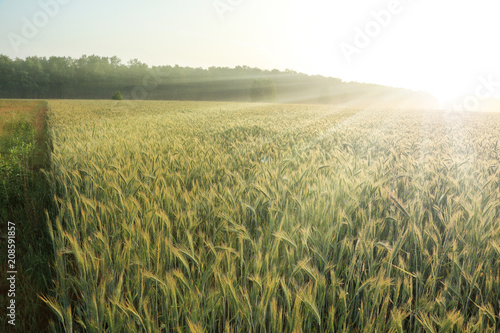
(447, 96)
(447, 89)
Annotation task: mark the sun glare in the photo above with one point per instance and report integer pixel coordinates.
(447, 95)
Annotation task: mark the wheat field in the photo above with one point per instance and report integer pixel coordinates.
(238, 217)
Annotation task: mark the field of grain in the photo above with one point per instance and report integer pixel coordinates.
(233, 217)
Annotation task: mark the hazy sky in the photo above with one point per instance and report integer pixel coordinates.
(445, 47)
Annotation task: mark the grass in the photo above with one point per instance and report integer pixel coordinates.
(23, 200)
(191, 217)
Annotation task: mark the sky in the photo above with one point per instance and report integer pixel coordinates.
(448, 48)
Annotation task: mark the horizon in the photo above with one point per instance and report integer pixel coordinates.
(419, 46)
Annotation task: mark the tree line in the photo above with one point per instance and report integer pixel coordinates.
(96, 77)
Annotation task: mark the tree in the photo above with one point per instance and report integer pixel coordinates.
(117, 96)
(97, 77)
(263, 90)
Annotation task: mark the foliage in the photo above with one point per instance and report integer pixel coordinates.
(98, 77)
(226, 217)
(16, 151)
(263, 90)
(25, 200)
(117, 96)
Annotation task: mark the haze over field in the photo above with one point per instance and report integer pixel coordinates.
(445, 48)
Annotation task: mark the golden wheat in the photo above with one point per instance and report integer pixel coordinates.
(191, 216)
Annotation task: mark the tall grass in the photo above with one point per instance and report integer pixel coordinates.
(24, 152)
(229, 217)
